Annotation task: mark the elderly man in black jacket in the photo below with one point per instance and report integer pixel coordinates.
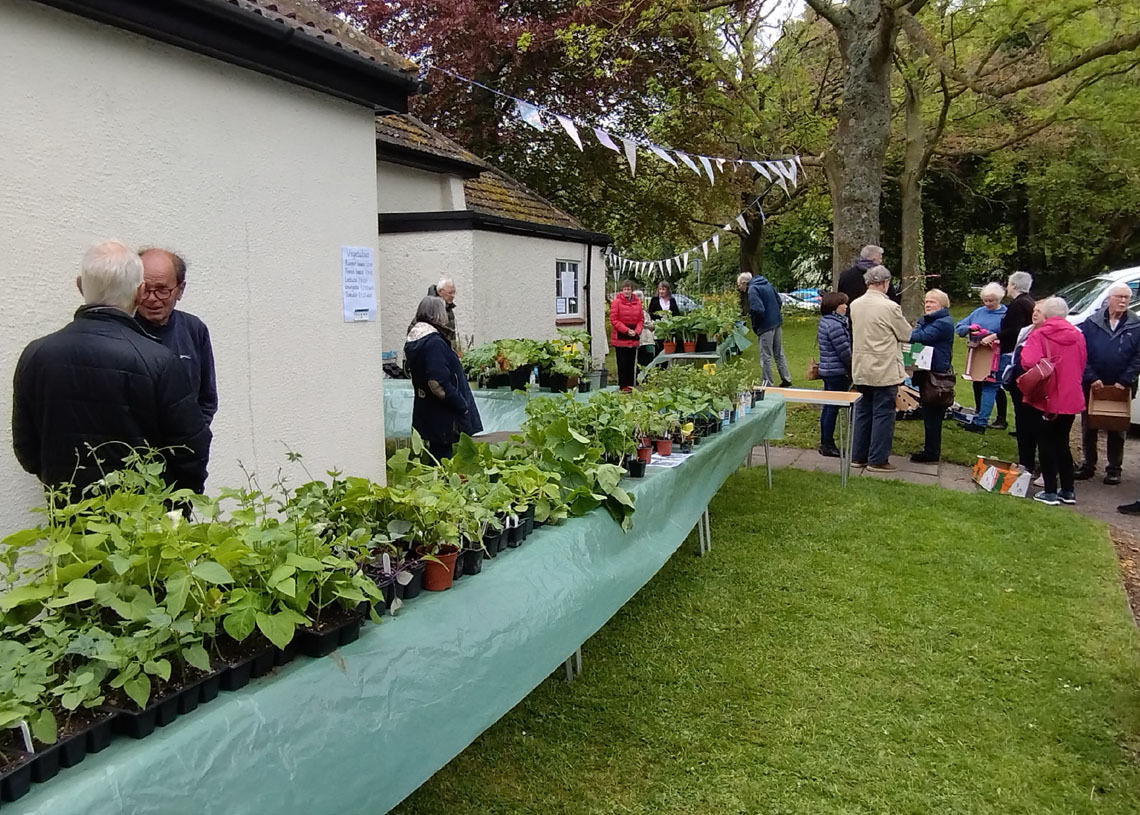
(85, 395)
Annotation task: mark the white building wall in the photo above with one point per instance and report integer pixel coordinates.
(408, 263)
(407, 189)
(515, 287)
(258, 182)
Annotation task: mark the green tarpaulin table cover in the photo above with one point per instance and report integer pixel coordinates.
(357, 731)
(500, 409)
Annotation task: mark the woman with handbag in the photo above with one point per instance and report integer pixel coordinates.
(1054, 358)
(936, 386)
(834, 338)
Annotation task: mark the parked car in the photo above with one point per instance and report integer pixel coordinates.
(1087, 296)
(801, 300)
(807, 295)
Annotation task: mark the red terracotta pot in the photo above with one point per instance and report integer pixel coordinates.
(438, 576)
(690, 347)
(670, 347)
(664, 447)
(645, 453)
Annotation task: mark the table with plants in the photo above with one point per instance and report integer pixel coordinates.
(329, 647)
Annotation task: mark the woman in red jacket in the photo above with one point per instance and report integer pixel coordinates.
(627, 321)
(1060, 398)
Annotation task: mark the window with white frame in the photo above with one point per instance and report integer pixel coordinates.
(566, 298)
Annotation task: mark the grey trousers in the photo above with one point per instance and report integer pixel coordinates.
(771, 344)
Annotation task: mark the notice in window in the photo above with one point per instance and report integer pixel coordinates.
(569, 284)
(359, 281)
(559, 305)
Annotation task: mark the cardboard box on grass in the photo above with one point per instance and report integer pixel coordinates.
(1003, 477)
(1110, 408)
(906, 399)
(979, 362)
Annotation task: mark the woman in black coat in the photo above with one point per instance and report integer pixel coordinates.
(663, 301)
(443, 407)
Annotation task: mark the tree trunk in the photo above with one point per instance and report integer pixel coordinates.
(910, 189)
(855, 166)
(751, 244)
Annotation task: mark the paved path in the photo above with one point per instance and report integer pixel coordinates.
(1094, 499)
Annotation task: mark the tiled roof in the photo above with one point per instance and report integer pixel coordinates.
(496, 193)
(492, 192)
(310, 19)
(409, 133)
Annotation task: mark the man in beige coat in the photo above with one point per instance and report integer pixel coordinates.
(878, 326)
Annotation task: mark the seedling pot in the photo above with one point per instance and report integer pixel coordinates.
(439, 576)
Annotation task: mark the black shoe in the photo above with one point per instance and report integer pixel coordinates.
(923, 457)
(1013, 433)
(970, 427)
(1084, 473)
(829, 450)
(1129, 509)
(999, 425)
(786, 383)
(1112, 479)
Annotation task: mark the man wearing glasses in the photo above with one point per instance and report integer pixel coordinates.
(164, 275)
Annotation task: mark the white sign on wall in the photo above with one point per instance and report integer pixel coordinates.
(359, 281)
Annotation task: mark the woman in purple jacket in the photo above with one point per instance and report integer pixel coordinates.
(834, 338)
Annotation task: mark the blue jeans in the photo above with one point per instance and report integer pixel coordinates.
(874, 424)
(830, 413)
(989, 394)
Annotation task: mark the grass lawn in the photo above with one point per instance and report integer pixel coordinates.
(935, 659)
(802, 429)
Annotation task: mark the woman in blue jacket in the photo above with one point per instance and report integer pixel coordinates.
(834, 338)
(936, 329)
(443, 406)
(979, 323)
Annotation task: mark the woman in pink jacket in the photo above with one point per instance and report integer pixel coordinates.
(627, 321)
(1061, 397)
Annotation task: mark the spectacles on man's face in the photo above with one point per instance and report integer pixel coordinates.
(161, 293)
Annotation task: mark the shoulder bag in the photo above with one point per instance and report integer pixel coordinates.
(1034, 383)
(936, 388)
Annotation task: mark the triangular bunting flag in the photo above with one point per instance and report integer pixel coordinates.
(716, 241)
(760, 168)
(570, 128)
(727, 227)
(685, 260)
(630, 155)
(657, 151)
(705, 249)
(792, 171)
(688, 161)
(708, 167)
(720, 164)
(743, 223)
(529, 114)
(778, 175)
(605, 140)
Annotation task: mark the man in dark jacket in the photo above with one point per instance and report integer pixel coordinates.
(164, 274)
(445, 290)
(764, 310)
(1112, 339)
(87, 393)
(1017, 316)
(851, 280)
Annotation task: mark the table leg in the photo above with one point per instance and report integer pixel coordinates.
(850, 441)
(708, 530)
(768, 463)
(573, 665)
(702, 543)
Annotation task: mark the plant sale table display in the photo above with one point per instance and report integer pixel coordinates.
(358, 731)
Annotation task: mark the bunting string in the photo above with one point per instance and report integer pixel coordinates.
(782, 171)
(657, 269)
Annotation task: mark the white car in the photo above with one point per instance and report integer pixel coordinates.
(1087, 297)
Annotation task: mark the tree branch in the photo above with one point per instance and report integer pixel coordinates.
(838, 17)
(919, 36)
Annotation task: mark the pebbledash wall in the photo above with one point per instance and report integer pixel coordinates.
(259, 182)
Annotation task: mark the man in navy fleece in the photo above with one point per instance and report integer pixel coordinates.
(164, 277)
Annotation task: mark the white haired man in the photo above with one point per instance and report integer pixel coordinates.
(85, 395)
(1112, 340)
(877, 328)
(1018, 315)
(445, 290)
